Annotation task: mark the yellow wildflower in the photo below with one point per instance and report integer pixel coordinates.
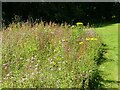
(79, 23)
(80, 42)
(91, 39)
(87, 38)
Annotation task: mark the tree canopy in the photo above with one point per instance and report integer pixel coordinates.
(70, 12)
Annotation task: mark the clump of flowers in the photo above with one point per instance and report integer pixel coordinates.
(80, 42)
(88, 39)
(92, 39)
(79, 23)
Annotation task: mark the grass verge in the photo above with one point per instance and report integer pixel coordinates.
(109, 68)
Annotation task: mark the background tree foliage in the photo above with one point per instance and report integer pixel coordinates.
(71, 12)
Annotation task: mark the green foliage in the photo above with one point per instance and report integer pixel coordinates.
(48, 56)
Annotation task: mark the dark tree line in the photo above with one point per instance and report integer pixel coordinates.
(62, 12)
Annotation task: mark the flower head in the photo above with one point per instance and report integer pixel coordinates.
(87, 38)
(80, 42)
(92, 39)
(79, 23)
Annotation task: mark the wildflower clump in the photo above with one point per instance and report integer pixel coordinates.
(91, 39)
(80, 42)
(79, 24)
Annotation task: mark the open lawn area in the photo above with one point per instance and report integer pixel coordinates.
(109, 68)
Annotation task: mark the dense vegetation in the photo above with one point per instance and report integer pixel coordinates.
(49, 55)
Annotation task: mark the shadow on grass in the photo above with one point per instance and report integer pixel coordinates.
(111, 81)
(97, 81)
(100, 59)
(97, 24)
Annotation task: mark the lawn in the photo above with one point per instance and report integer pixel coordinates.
(109, 68)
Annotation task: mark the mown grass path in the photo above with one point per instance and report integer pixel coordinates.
(109, 68)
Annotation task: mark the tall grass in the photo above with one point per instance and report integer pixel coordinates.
(48, 55)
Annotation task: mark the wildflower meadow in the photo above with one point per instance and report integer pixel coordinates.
(49, 55)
